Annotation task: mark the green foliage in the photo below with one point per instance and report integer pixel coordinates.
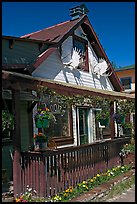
(44, 113)
(129, 148)
(102, 115)
(7, 120)
(127, 125)
(120, 187)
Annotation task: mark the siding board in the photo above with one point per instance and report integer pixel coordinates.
(53, 68)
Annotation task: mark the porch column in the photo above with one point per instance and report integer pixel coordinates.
(16, 144)
(112, 126)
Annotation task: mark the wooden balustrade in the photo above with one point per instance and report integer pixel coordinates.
(53, 171)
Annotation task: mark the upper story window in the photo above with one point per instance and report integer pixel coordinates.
(126, 82)
(81, 46)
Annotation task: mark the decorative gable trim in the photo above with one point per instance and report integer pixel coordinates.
(41, 58)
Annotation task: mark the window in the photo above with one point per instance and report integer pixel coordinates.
(126, 82)
(60, 128)
(61, 111)
(81, 45)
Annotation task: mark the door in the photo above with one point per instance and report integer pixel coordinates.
(83, 125)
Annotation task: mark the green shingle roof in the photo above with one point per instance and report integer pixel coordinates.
(125, 68)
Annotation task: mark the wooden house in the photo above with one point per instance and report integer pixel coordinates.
(69, 61)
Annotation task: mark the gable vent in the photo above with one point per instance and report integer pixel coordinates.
(78, 11)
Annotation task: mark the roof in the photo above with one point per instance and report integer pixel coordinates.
(54, 33)
(125, 68)
(25, 39)
(58, 33)
(25, 82)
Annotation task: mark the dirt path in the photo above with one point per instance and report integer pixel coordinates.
(126, 196)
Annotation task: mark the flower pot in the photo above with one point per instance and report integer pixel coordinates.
(39, 123)
(104, 122)
(45, 122)
(42, 123)
(40, 146)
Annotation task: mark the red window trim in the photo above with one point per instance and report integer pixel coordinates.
(85, 42)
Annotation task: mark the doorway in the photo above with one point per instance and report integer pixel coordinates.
(83, 130)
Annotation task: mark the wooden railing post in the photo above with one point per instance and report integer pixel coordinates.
(16, 144)
(55, 171)
(112, 126)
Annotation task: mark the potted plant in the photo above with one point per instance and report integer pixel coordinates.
(40, 141)
(103, 117)
(127, 127)
(43, 118)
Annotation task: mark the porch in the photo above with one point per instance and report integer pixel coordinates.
(52, 171)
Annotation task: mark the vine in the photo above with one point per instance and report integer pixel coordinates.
(124, 106)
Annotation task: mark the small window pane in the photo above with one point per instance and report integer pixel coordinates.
(126, 83)
(60, 128)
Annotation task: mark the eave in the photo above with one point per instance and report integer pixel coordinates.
(22, 82)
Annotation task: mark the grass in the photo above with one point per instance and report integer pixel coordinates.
(117, 189)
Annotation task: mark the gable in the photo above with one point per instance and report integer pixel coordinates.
(60, 32)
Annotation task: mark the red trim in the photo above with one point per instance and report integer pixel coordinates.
(22, 82)
(44, 56)
(114, 78)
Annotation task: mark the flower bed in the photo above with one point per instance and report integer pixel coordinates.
(72, 192)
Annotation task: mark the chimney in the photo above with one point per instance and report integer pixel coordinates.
(78, 11)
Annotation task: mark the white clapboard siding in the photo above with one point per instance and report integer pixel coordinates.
(66, 50)
(52, 68)
(79, 32)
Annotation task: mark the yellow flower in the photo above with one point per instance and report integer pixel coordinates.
(17, 199)
(70, 190)
(65, 194)
(84, 182)
(94, 177)
(70, 187)
(91, 180)
(108, 174)
(98, 175)
(67, 190)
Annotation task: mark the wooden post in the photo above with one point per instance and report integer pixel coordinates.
(16, 144)
(112, 126)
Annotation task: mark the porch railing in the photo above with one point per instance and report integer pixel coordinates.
(51, 172)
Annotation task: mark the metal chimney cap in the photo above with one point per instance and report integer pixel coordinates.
(78, 11)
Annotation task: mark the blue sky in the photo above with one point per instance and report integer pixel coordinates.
(114, 23)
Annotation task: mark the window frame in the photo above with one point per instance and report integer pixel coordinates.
(124, 78)
(85, 42)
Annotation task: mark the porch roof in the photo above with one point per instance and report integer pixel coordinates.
(17, 81)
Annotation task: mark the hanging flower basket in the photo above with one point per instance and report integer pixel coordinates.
(43, 118)
(104, 122)
(42, 122)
